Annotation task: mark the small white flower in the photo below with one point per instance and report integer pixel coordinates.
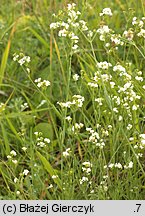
(141, 33)
(118, 165)
(24, 149)
(36, 133)
(68, 118)
(131, 138)
(25, 172)
(111, 165)
(13, 153)
(15, 180)
(129, 126)
(87, 164)
(75, 47)
(84, 179)
(75, 77)
(15, 161)
(47, 140)
(66, 153)
(9, 157)
(130, 164)
(50, 186)
(18, 193)
(54, 176)
(104, 65)
(120, 118)
(106, 11)
(135, 107)
(142, 136)
(112, 84)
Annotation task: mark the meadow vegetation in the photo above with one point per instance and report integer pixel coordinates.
(72, 99)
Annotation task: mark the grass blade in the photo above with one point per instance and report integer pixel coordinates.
(49, 169)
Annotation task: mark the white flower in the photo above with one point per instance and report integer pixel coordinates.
(25, 172)
(93, 85)
(13, 153)
(116, 39)
(41, 144)
(115, 109)
(90, 34)
(46, 82)
(112, 84)
(84, 179)
(54, 25)
(128, 34)
(87, 164)
(47, 140)
(9, 157)
(75, 77)
(62, 33)
(71, 6)
(129, 126)
(43, 83)
(111, 165)
(139, 78)
(119, 68)
(75, 47)
(66, 153)
(103, 30)
(50, 186)
(135, 107)
(36, 133)
(106, 11)
(99, 100)
(15, 180)
(142, 136)
(15, 58)
(118, 165)
(131, 138)
(66, 105)
(77, 126)
(15, 161)
(68, 118)
(18, 193)
(54, 176)
(130, 165)
(104, 65)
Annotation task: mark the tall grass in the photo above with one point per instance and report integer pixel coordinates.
(78, 132)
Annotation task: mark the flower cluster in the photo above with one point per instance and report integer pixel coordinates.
(101, 78)
(21, 58)
(95, 138)
(103, 31)
(139, 24)
(66, 153)
(119, 165)
(69, 27)
(11, 157)
(83, 179)
(104, 65)
(87, 167)
(77, 127)
(77, 100)
(42, 83)
(106, 11)
(24, 106)
(41, 141)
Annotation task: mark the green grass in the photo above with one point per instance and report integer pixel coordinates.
(26, 108)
